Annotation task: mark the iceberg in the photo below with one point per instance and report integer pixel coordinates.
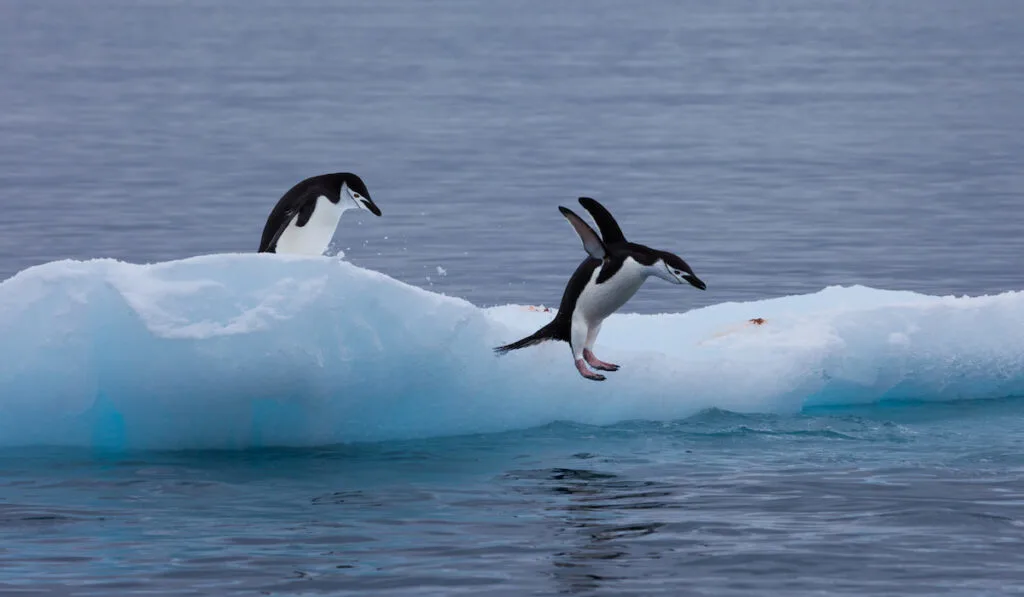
(237, 351)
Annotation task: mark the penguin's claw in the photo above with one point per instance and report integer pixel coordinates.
(597, 363)
(587, 373)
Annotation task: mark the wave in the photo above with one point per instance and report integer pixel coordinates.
(256, 350)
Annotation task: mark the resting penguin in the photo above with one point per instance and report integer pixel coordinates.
(610, 276)
(305, 218)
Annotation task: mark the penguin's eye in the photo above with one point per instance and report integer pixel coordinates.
(357, 195)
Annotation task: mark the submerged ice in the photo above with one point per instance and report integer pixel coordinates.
(236, 351)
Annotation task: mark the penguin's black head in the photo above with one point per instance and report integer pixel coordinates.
(352, 189)
(671, 267)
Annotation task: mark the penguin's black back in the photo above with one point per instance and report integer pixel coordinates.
(577, 282)
(560, 328)
(299, 202)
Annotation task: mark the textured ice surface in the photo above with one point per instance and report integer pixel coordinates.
(246, 350)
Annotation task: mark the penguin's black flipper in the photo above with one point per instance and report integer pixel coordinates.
(591, 241)
(293, 205)
(268, 243)
(610, 231)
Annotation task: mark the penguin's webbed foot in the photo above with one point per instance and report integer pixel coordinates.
(587, 373)
(597, 363)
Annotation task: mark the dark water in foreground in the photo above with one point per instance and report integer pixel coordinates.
(895, 500)
(779, 147)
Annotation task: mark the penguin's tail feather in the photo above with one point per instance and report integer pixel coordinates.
(548, 332)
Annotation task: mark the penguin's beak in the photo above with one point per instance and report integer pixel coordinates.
(696, 282)
(368, 203)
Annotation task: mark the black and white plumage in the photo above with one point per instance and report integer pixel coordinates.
(611, 274)
(305, 218)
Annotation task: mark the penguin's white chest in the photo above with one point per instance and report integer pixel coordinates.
(314, 237)
(598, 301)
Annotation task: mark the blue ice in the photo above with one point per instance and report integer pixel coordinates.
(250, 350)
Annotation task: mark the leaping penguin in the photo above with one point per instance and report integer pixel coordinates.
(610, 276)
(305, 218)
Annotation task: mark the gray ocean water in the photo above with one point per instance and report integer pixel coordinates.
(779, 147)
